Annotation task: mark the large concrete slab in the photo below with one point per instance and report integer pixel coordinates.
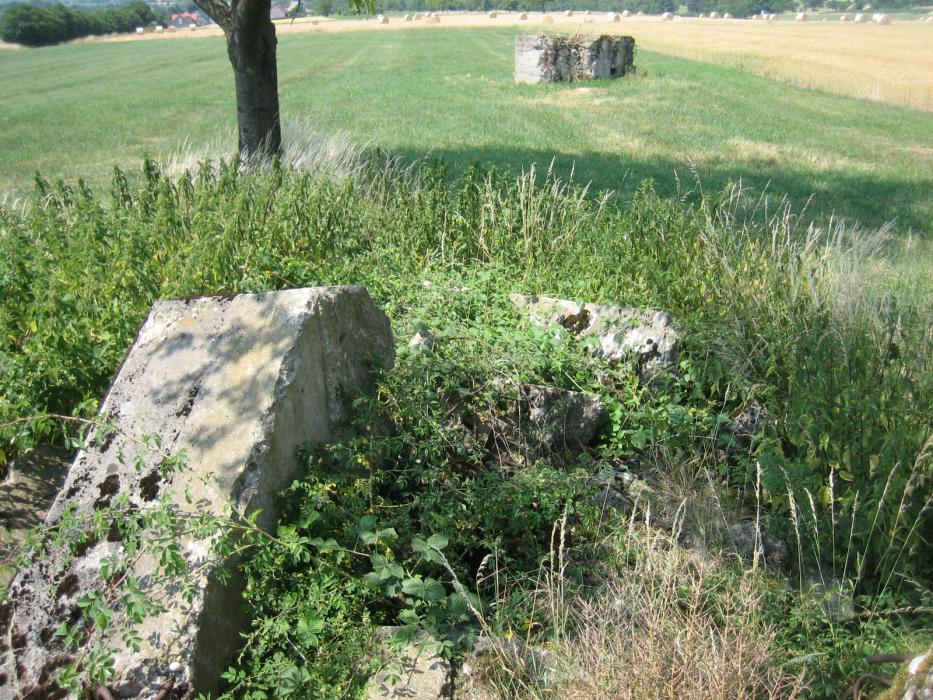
(550, 58)
(239, 383)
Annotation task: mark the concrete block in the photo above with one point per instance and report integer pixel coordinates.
(554, 59)
(239, 383)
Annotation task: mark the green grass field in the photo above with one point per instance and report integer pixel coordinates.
(78, 110)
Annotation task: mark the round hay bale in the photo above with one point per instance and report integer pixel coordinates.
(860, 19)
(523, 16)
(568, 13)
(667, 17)
(714, 15)
(727, 16)
(433, 19)
(626, 13)
(408, 18)
(382, 19)
(844, 18)
(800, 17)
(493, 14)
(773, 18)
(640, 13)
(417, 16)
(883, 19)
(612, 17)
(139, 30)
(702, 15)
(547, 19)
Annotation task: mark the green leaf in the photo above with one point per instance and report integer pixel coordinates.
(438, 541)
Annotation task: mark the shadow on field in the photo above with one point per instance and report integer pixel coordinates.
(855, 197)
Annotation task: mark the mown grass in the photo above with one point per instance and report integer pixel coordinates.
(77, 110)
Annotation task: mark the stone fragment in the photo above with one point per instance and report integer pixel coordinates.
(742, 428)
(620, 489)
(422, 339)
(531, 421)
(554, 58)
(647, 336)
(238, 383)
(416, 672)
(918, 683)
(753, 543)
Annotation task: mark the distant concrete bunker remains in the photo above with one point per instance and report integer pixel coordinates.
(563, 59)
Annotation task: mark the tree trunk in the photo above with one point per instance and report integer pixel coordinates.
(251, 45)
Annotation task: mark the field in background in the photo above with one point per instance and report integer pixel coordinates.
(78, 110)
(886, 63)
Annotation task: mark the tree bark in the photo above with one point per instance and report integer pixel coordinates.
(251, 46)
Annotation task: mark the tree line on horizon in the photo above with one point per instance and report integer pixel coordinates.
(42, 25)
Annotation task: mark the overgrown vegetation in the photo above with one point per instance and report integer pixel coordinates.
(805, 320)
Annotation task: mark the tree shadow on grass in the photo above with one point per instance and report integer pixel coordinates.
(817, 195)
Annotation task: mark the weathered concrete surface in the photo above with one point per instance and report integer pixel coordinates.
(25, 497)
(416, 671)
(648, 336)
(238, 383)
(916, 681)
(558, 59)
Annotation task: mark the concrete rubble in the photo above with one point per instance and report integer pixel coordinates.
(648, 337)
(561, 59)
(238, 383)
(530, 421)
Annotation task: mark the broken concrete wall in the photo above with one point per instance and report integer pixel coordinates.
(238, 383)
(558, 59)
